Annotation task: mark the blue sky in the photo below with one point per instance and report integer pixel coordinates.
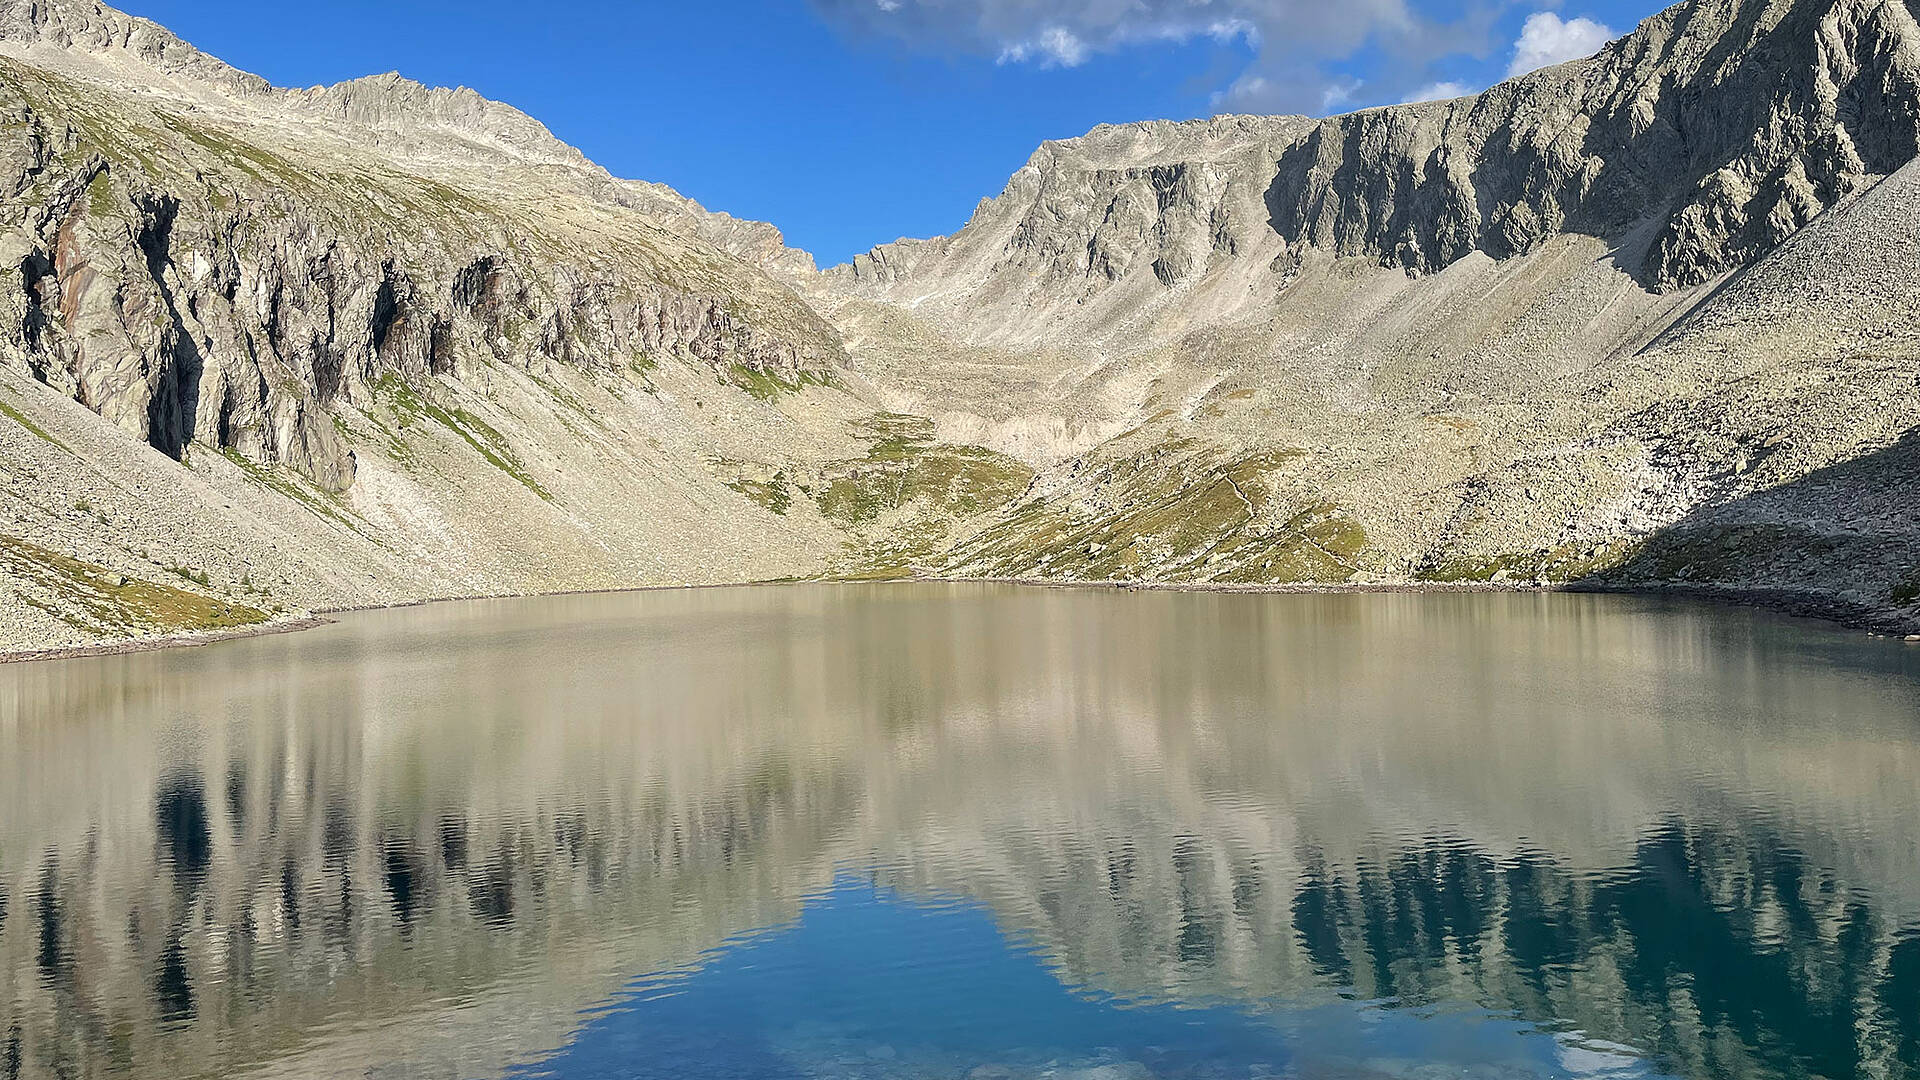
(852, 122)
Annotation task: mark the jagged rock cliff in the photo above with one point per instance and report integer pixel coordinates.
(431, 347)
(1721, 127)
(190, 282)
(274, 349)
(755, 243)
(1718, 127)
(1453, 340)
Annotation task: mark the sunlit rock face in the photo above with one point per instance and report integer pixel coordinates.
(1681, 831)
(1717, 130)
(394, 342)
(223, 263)
(1640, 320)
(1484, 339)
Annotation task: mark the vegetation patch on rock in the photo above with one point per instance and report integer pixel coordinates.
(97, 601)
(484, 438)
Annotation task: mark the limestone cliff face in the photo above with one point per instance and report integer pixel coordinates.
(755, 243)
(389, 107)
(196, 277)
(177, 351)
(1718, 127)
(265, 350)
(93, 28)
(1723, 127)
(1172, 199)
(1456, 340)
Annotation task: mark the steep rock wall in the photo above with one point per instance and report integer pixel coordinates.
(193, 284)
(1698, 142)
(1726, 125)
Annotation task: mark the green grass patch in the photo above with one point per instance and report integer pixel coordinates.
(397, 447)
(34, 429)
(100, 602)
(766, 386)
(247, 157)
(1173, 515)
(878, 571)
(1561, 564)
(491, 445)
(776, 495)
(100, 198)
(1321, 544)
(884, 426)
(565, 397)
(920, 489)
(477, 433)
(324, 504)
(952, 481)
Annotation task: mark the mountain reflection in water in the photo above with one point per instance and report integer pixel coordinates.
(933, 830)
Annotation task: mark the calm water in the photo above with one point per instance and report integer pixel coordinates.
(971, 832)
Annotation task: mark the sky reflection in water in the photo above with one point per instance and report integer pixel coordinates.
(869, 983)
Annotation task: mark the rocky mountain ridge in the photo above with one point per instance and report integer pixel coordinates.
(388, 105)
(433, 349)
(1556, 332)
(1716, 129)
(1459, 340)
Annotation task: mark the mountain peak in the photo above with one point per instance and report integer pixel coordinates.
(90, 29)
(395, 104)
(1696, 144)
(110, 45)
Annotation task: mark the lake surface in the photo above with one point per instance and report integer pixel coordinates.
(973, 832)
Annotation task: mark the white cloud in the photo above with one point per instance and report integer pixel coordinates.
(1339, 95)
(1439, 91)
(1054, 45)
(1274, 55)
(1546, 40)
(1224, 31)
(1246, 89)
(1256, 94)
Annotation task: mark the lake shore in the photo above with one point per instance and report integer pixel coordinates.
(168, 641)
(1875, 621)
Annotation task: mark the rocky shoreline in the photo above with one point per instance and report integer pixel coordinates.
(169, 641)
(1876, 622)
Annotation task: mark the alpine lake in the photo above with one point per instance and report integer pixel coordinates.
(973, 832)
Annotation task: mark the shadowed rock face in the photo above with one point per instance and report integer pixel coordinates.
(1723, 127)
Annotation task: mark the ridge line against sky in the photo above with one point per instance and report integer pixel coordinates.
(850, 123)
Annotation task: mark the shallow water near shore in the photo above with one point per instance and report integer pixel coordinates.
(971, 831)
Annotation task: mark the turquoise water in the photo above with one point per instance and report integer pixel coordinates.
(972, 832)
(872, 983)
